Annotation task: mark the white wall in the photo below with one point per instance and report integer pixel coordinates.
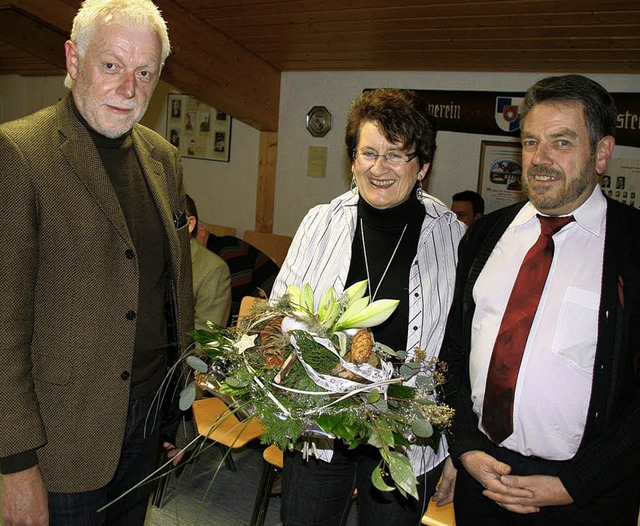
(20, 96)
(226, 192)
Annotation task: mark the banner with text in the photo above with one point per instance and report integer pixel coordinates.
(496, 113)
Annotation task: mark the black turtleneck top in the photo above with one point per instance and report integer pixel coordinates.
(152, 252)
(382, 232)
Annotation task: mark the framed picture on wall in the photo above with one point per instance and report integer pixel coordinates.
(500, 174)
(621, 181)
(198, 130)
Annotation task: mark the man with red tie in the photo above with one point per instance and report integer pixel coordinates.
(543, 338)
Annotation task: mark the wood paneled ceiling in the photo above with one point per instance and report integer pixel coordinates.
(230, 52)
(432, 35)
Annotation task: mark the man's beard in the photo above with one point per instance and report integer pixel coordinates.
(550, 198)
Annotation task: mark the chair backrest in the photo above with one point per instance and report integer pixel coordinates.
(273, 245)
(246, 305)
(220, 230)
(252, 271)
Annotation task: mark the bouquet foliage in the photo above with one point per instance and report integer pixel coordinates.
(311, 375)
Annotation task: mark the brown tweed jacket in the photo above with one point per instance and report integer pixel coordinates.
(68, 278)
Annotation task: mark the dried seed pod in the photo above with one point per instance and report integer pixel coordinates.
(273, 343)
(361, 346)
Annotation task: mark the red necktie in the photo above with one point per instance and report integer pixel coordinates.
(497, 411)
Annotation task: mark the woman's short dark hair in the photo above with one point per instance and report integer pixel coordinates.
(599, 108)
(402, 117)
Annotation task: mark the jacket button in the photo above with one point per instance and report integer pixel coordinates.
(129, 253)
(131, 315)
(125, 375)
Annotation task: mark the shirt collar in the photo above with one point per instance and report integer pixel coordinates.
(590, 215)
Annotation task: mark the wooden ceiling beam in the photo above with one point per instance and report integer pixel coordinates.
(40, 40)
(208, 65)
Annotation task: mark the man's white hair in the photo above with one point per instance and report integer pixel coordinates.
(142, 13)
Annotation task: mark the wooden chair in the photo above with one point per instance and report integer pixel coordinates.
(273, 461)
(215, 421)
(439, 516)
(247, 304)
(220, 230)
(273, 245)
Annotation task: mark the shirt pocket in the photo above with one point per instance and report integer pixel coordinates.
(576, 333)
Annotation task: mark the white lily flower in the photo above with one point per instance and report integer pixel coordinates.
(306, 299)
(370, 316)
(355, 292)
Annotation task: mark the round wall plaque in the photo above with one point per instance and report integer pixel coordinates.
(318, 121)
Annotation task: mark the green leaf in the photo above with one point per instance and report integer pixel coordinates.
(196, 363)
(187, 396)
(386, 349)
(234, 381)
(424, 381)
(374, 440)
(403, 392)
(422, 428)
(340, 425)
(409, 369)
(402, 355)
(385, 433)
(402, 473)
(374, 396)
(377, 479)
(381, 405)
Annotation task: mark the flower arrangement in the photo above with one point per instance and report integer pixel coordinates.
(312, 375)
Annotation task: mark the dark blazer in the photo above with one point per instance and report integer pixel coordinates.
(68, 278)
(609, 453)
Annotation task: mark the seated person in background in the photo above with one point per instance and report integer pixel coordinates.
(468, 206)
(252, 271)
(211, 279)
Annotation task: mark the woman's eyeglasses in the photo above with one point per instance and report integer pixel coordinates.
(366, 156)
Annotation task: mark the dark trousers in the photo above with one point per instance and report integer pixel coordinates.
(617, 508)
(318, 493)
(137, 460)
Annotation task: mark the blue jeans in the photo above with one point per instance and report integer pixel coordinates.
(318, 493)
(137, 459)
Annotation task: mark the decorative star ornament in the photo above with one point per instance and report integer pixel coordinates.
(246, 342)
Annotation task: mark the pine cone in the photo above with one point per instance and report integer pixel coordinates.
(273, 343)
(361, 346)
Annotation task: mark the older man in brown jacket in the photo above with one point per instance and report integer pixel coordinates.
(95, 279)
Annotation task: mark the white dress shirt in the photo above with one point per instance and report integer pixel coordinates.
(554, 382)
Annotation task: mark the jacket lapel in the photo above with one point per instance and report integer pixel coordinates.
(88, 167)
(156, 178)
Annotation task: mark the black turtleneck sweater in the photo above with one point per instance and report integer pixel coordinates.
(152, 252)
(382, 231)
